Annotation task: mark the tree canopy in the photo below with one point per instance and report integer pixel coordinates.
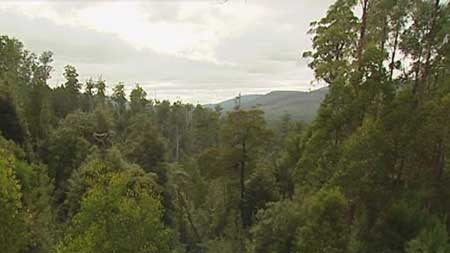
(83, 169)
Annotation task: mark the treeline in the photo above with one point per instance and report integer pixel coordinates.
(84, 172)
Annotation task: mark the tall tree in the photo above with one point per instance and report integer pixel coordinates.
(100, 94)
(138, 99)
(120, 104)
(244, 135)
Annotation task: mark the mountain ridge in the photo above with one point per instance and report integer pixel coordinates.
(300, 105)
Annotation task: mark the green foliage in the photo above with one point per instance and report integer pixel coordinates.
(87, 172)
(220, 246)
(71, 75)
(435, 238)
(11, 125)
(144, 144)
(67, 97)
(117, 214)
(33, 203)
(378, 136)
(14, 234)
(138, 100)
(390, 229)
(119, 97)
(261, 188)
(37, 187)
(244, 126)
(119, 100)
(206, 128)
(276, 226)
(334, 41)
(326, 228)
(68, 146)
(244, 135)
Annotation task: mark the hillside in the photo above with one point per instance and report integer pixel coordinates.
(300, 105)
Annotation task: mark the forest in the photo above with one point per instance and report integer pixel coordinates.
(83, 170)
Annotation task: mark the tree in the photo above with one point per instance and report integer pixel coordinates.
(67, 148)
(11, 55)
(36, 189)
(71, 84)
(186, 189)
(243, 136)
(120, 214)
(370, 173)
(432, 239)
(179, 122)
(72, 88)
(162, 116)
(325, 229)
(144, 144)
(421, 42)
(100, 94)
(276, 226)
(11, 125)
(376, 136)
(205, 128)
(138, 99)
(261, 188)
(333, 42)
(37, 106)
(119, 97)
(88, 98)
(120, 100)
(13, 217)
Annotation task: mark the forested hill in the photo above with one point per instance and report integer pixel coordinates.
(82, 171)
(299, 105)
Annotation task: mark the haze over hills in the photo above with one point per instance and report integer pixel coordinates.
(299, 105)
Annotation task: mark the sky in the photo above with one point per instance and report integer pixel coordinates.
(198, 51)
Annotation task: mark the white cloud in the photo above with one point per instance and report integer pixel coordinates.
(193, 30)
(198, 50)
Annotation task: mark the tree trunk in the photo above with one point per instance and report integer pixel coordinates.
(189, 216)
(177, 148)
(394, 51)
(383, 41)
(362, 32)
(422, 84)
(242, 182)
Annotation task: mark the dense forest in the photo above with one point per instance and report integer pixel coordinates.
(85, 171)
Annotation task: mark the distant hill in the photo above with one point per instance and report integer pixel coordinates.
(300, 105)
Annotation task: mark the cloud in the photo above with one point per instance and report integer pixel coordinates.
(198, 51)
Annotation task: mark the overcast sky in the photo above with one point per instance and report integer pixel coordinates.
(197, 51)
